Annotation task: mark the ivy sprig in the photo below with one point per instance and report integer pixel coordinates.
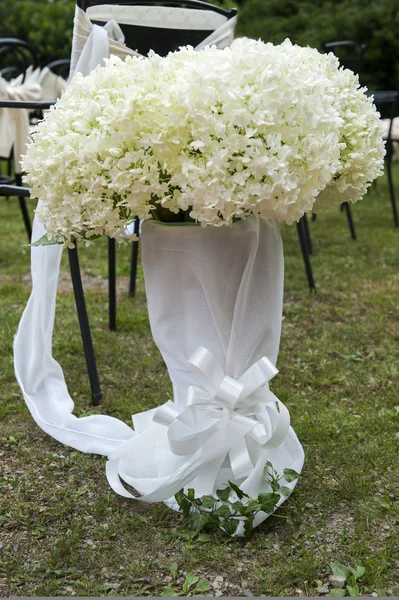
(231, 505)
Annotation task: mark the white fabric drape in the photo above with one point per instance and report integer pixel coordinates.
(222, 289)
(40, 377)
(14, 123)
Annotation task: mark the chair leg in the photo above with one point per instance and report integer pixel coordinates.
(24, 208)
(96, 393)
(347, 208)
(307, 234)
(111, 284)
(135, 254)
(305, 255)
(392, 191)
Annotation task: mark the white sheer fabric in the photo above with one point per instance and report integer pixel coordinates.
(222, 289)
(14, 123)
(40, 377)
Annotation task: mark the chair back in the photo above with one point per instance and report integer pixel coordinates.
(15, 57)
(179, 22)
(60, 67)
(350, 54)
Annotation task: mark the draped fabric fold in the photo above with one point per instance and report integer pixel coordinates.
(14, 123)
(40, 377)
(215, 302)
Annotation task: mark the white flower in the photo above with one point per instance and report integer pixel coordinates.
(253, 129)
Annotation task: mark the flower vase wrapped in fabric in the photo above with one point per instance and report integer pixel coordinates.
(211, 149)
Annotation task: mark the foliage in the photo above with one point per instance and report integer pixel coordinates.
(373, 22)
(192, 584)
(231, 505)
(47, 25)
(352, 576)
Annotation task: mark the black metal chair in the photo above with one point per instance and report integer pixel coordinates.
(15, 57)
(23, 192)
(387, 103)
(350, 55)
(161, 40)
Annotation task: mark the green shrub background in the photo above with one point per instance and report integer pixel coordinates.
(48, 26)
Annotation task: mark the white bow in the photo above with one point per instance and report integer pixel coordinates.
(220, 419)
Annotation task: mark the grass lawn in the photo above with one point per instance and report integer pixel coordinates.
(65, 532)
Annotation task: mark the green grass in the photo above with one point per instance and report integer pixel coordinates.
(65, 532)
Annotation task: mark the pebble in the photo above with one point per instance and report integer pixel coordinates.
(374, 595)
(248, 593)
(218, 594)
(323, 590)
(337, 581)
(309, 505)
(219, 578)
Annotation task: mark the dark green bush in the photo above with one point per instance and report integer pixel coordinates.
(48, 26)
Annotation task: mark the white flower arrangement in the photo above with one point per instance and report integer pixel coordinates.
(209, 136)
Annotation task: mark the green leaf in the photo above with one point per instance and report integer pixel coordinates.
(230, 526)
(208, 501)
(191, 494)
(286, 491)
(353, 591)
(46, 241)
(290, 475)
(180, 497)
(169, 591)
(339, 569)
(199, 522)
(224, 494)
(268, 501)
(338, 592)
(238, 491)
(248, 527)
(358, 572)
(191, 580)
(173, 568)
(204, 538)
(222, 511)
(238, 507)
(202, 586)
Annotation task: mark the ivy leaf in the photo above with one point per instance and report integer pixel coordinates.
(238, 491)
(204, 538)
(290, 475)
(224, 494)
(222, 511)
(208, 501)
(338, 592)
(180, 497)
(191, 494)
(248, 527)
(230, 526)
(268, 501)
(239, 507)
(286, 491)
(199, 522)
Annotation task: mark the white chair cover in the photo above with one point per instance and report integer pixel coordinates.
(14, 122)
(40, 377)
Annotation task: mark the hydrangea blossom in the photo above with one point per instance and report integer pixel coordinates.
(253, 129)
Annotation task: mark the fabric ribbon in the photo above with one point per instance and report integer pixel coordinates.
(221, 401)
(225, 417)
(14, 123)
